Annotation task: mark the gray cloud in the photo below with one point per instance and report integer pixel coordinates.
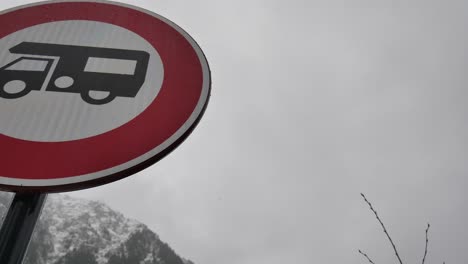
(314, 102)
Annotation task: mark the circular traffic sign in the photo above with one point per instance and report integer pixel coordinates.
(93, 91)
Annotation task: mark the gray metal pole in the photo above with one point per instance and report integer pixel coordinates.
(18, 226)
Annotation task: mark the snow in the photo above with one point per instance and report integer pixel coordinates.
(80, 220)
(69, 224)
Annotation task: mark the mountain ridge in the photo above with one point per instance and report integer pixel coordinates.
(79, 231)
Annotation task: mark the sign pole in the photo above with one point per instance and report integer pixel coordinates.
(18, 226)
(129, 90)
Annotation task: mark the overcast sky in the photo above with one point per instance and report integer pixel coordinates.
(312, 103)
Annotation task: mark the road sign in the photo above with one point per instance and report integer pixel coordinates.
(91, 92)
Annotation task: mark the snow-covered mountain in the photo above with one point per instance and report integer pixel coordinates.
(77, 231)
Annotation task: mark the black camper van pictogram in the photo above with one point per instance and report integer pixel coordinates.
(79, 69)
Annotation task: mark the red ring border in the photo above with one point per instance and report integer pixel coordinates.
(176, 101)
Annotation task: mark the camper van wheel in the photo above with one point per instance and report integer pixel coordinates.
(14, 89)
(85, 95)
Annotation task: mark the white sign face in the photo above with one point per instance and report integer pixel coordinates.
(92, 92)
(56, 111)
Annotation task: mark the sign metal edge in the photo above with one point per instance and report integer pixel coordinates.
(143, 161)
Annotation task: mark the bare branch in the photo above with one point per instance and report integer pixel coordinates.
(384, 229)
(365, 255)
(427, 240)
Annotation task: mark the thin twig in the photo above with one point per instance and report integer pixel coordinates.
(384, 229)
(365, 255)
(427, 240)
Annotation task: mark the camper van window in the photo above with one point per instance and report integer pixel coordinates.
(28, 65)
(114, 66)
